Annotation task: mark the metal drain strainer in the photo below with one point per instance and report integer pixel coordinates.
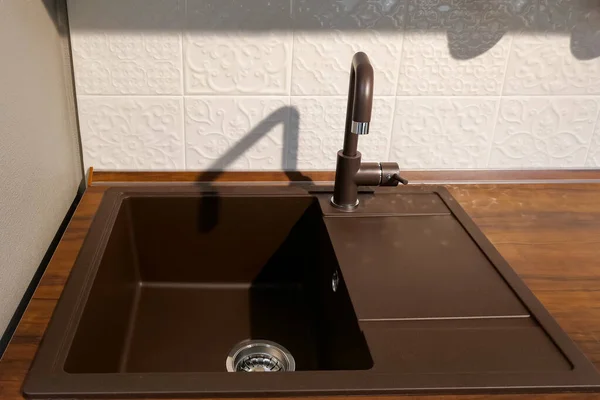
(259, 356)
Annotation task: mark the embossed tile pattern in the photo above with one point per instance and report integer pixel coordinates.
(212, 84)
(593, 157)
(428, 68)
(543, 64)
(454, 47)
(434, 133)
(225, 53)
(132, 133)
(561, 55)
(322, 60)
(543, 132)
(221, 64)
(119, 50)
(236, 133)
(329, 33)
(319, 123)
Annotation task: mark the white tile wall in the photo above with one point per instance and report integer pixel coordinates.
(549, 62)
(132, 133)
(593, 156)
(320, 122)
(262, 85)
(440, 133)
(225, 53)
(454, 48)
(143, 59)
(235, 133)
(428, 68)
(544, 131)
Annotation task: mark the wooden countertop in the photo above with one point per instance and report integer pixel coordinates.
(549, 233)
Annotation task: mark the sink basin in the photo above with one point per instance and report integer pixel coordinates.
(403, 295)
(189, 277)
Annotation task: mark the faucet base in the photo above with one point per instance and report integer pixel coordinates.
(345, 207)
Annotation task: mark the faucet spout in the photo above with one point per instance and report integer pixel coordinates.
(350, 172)
(360, 102)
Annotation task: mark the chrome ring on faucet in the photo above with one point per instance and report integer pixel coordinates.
(360, 128)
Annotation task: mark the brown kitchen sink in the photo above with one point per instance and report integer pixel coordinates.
(183, 294)
(402, 295)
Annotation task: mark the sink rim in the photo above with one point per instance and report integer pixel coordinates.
(47, 378)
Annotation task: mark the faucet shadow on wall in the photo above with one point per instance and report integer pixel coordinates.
(209, 206)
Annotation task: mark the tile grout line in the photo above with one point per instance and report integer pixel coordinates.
(287, 129)
(404, 22)
(291, 58)
(596, 125)
(500, 97)
(510, 48)
(183, 102)
(393, 119)
(521, 96)
(184, 128)
(493, 135)
(558, 95)
(182, 58)
(389, 155)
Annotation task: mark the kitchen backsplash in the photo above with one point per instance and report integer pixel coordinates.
(262, 84)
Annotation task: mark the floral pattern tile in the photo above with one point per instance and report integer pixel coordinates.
(541, 132)
(593, 156)
(329, 33)
(455, 47)
(319, 123)
(543, 64)
(226, 51)
(322, 60)
(443, 133)
(262, 85)
(428, 68)
(236, 133)
(119, 51)
(132, 133)
(559, 53)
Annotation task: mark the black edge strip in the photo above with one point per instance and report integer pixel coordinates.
(37, 276)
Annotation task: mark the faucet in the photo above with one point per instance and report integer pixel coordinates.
(350, 172)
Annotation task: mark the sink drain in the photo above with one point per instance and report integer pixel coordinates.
(259, 356)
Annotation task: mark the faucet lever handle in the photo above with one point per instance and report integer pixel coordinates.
(400, 179)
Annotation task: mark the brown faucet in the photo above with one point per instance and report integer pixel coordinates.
(350, 172)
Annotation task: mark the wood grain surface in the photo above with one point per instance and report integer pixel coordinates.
(328, 176)
(549, 233)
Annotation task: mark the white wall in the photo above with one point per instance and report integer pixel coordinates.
(175, 84)
(39, 152)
